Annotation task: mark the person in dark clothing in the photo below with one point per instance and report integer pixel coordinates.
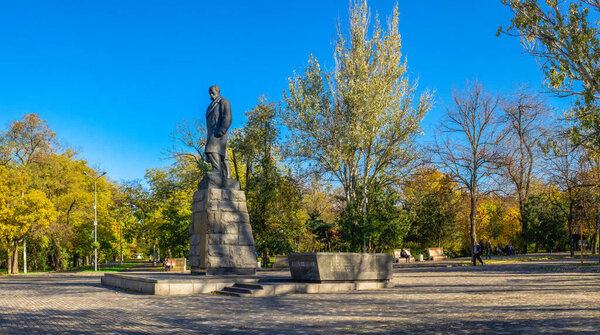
(404, 254)
(477, 251)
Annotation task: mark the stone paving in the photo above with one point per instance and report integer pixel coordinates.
(530, 297)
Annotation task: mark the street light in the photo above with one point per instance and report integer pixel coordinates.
(95, 220)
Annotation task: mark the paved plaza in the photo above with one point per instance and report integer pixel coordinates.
(521, 297)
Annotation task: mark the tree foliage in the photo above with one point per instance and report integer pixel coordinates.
(433, 199)
(274, 196)
(564, 35)
(357, 123)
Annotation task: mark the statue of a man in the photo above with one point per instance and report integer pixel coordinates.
(218, 120)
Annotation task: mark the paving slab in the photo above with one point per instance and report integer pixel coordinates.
(557, 296)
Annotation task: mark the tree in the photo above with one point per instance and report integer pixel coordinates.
(466, 149)
(274, 197)
(357, 123)
(589, 208)
(564, 160)
(498, 220)
(524, 127)
(138, 200)
(25, 140)
(381, 225)
(189, 139)
(171, 191)
(21, 145)
(546, 222)
(565, 38)
(323, 206)
(432, 197)
(21, 208)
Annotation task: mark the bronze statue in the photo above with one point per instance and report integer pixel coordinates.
(218, 120)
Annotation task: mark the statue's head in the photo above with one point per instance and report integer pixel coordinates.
(214, 92)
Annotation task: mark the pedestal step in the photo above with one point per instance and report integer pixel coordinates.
(241, 290)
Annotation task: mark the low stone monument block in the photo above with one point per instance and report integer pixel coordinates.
(342, 266)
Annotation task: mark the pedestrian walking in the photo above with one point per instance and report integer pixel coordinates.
(477, 251)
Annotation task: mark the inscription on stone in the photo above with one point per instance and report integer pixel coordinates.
(323, 266)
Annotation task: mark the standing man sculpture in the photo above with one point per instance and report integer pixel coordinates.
(218, 120)
(221, 240)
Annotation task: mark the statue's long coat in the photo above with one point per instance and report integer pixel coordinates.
(218, 119)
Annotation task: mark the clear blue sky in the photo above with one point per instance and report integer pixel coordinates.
(113, 77)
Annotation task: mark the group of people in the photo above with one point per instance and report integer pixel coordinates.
(480, 247)
(507, 250)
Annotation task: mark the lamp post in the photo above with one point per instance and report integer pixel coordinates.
(95, 220)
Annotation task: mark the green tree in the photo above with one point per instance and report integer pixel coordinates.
(564, 164)
(274, 196)
(380, 225)
(564, 36)
(431, 196)
(21, 210)
(357, 123)
(547, 224)
(322, 205)
(171, 190)
(21, 145)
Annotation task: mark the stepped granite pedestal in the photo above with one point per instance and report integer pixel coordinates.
(221, 241)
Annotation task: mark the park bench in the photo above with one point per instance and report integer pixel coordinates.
(436, 254)
(281, 261)
(398, 252)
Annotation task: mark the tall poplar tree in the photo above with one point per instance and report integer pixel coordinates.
(356, 124)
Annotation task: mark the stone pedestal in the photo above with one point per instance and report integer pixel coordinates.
(221, 241)
(340, 266)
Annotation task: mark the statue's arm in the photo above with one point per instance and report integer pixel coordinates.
(225, 118)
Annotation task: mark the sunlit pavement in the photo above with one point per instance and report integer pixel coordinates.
(522, 297)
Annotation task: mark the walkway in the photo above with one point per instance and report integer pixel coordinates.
(530, 297)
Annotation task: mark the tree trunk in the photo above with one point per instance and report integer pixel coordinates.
(9, 261)
(472, 218)
(570, 225)
(524, 227)
(24, 255)
(15, 256)
(56, 259)
(75, 260)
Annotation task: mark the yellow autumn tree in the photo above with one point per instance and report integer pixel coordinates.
(21, 208)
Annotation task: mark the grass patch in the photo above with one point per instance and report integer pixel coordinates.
(524, 259)
(114, 267)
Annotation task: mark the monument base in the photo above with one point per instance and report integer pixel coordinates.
(230, 271)
(340, 266)
(221, 240)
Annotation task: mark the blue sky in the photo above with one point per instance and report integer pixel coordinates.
(112, 78)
